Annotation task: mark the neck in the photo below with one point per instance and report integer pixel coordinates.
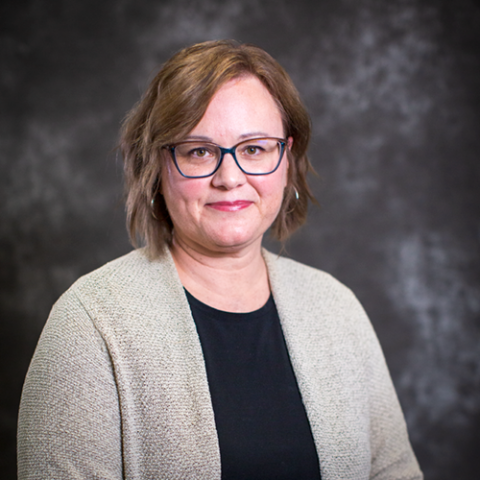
(233, 282)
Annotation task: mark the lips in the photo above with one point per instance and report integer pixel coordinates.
(230, 206)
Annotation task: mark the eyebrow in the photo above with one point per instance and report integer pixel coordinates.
(253, 135)
(244, 136)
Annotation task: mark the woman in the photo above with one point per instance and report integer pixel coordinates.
(202, 355)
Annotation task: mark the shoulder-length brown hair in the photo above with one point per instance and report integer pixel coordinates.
(174, 104)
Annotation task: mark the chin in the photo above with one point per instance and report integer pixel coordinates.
(235, 240)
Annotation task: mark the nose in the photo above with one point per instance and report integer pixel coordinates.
(228, 175)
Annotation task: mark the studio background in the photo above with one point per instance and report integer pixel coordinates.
(393, 89)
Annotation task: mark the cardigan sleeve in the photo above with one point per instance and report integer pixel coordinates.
(69, 420)
(392, 456)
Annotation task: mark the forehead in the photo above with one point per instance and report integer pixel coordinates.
(241, 106)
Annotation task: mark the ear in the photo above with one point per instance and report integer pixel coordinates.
(289, 146)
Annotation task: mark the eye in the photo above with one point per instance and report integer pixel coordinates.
(252, 150)
(199, 152)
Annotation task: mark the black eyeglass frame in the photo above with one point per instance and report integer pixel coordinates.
(223, 152)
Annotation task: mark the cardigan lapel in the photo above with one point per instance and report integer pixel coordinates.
(161, 376)
(307, 312)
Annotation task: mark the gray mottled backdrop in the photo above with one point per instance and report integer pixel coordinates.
(393, 88)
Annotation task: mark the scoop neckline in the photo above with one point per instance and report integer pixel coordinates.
(262, 311)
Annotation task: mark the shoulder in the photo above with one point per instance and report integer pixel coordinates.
(131, 288)
(313, 301)
(134, 266)
(303, 280)
(133, 272)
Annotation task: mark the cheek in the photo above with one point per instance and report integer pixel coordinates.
(271, 188)
(181, 194)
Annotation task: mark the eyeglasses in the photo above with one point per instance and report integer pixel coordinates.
(257, 156)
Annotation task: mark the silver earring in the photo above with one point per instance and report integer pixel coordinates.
(152, 208)
(297, 196)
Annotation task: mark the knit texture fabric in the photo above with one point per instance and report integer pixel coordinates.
(117, 387)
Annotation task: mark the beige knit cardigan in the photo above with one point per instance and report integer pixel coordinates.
(117, 388)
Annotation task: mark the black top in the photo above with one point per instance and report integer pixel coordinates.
(261, 422)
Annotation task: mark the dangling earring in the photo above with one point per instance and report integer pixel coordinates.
(152, 208)
(297, 196)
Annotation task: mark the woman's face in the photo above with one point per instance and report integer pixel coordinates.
(230, 210)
